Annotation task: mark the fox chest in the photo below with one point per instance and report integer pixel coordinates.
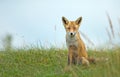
(71, 42)
(73, 45)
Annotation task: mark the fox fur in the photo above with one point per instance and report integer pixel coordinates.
(76, 48)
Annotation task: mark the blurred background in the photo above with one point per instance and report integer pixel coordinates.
(38, 22)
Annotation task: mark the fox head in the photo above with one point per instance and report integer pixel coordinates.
(71, 27)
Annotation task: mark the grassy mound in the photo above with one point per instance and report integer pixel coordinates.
(53, 63)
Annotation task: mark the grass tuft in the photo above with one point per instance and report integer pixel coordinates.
(53, 63)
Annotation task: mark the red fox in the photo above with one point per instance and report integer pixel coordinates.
(76, 48)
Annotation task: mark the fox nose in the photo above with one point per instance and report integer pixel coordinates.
(71, 34)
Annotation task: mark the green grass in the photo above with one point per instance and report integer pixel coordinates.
(53, 63)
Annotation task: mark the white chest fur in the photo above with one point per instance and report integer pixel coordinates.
(71, 41)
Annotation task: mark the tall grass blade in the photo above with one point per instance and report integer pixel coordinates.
(85, 36)
(111, 25)
(108, 33)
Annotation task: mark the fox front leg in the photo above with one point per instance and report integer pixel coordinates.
(70, 56)
(70, 59)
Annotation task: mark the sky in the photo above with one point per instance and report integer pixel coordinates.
(33, 22)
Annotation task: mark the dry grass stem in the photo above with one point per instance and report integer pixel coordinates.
(111, 25)
(85, 36)
(108, 33)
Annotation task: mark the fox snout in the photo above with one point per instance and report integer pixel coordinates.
(71, 34)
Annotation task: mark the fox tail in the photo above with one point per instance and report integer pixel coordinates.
(96, 60)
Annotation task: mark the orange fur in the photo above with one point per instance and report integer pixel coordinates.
(76, 48)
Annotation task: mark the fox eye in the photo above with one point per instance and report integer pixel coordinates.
(68, 28)
(74, 28)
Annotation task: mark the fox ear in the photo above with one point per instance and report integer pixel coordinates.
(78, 21)
(65, 20)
